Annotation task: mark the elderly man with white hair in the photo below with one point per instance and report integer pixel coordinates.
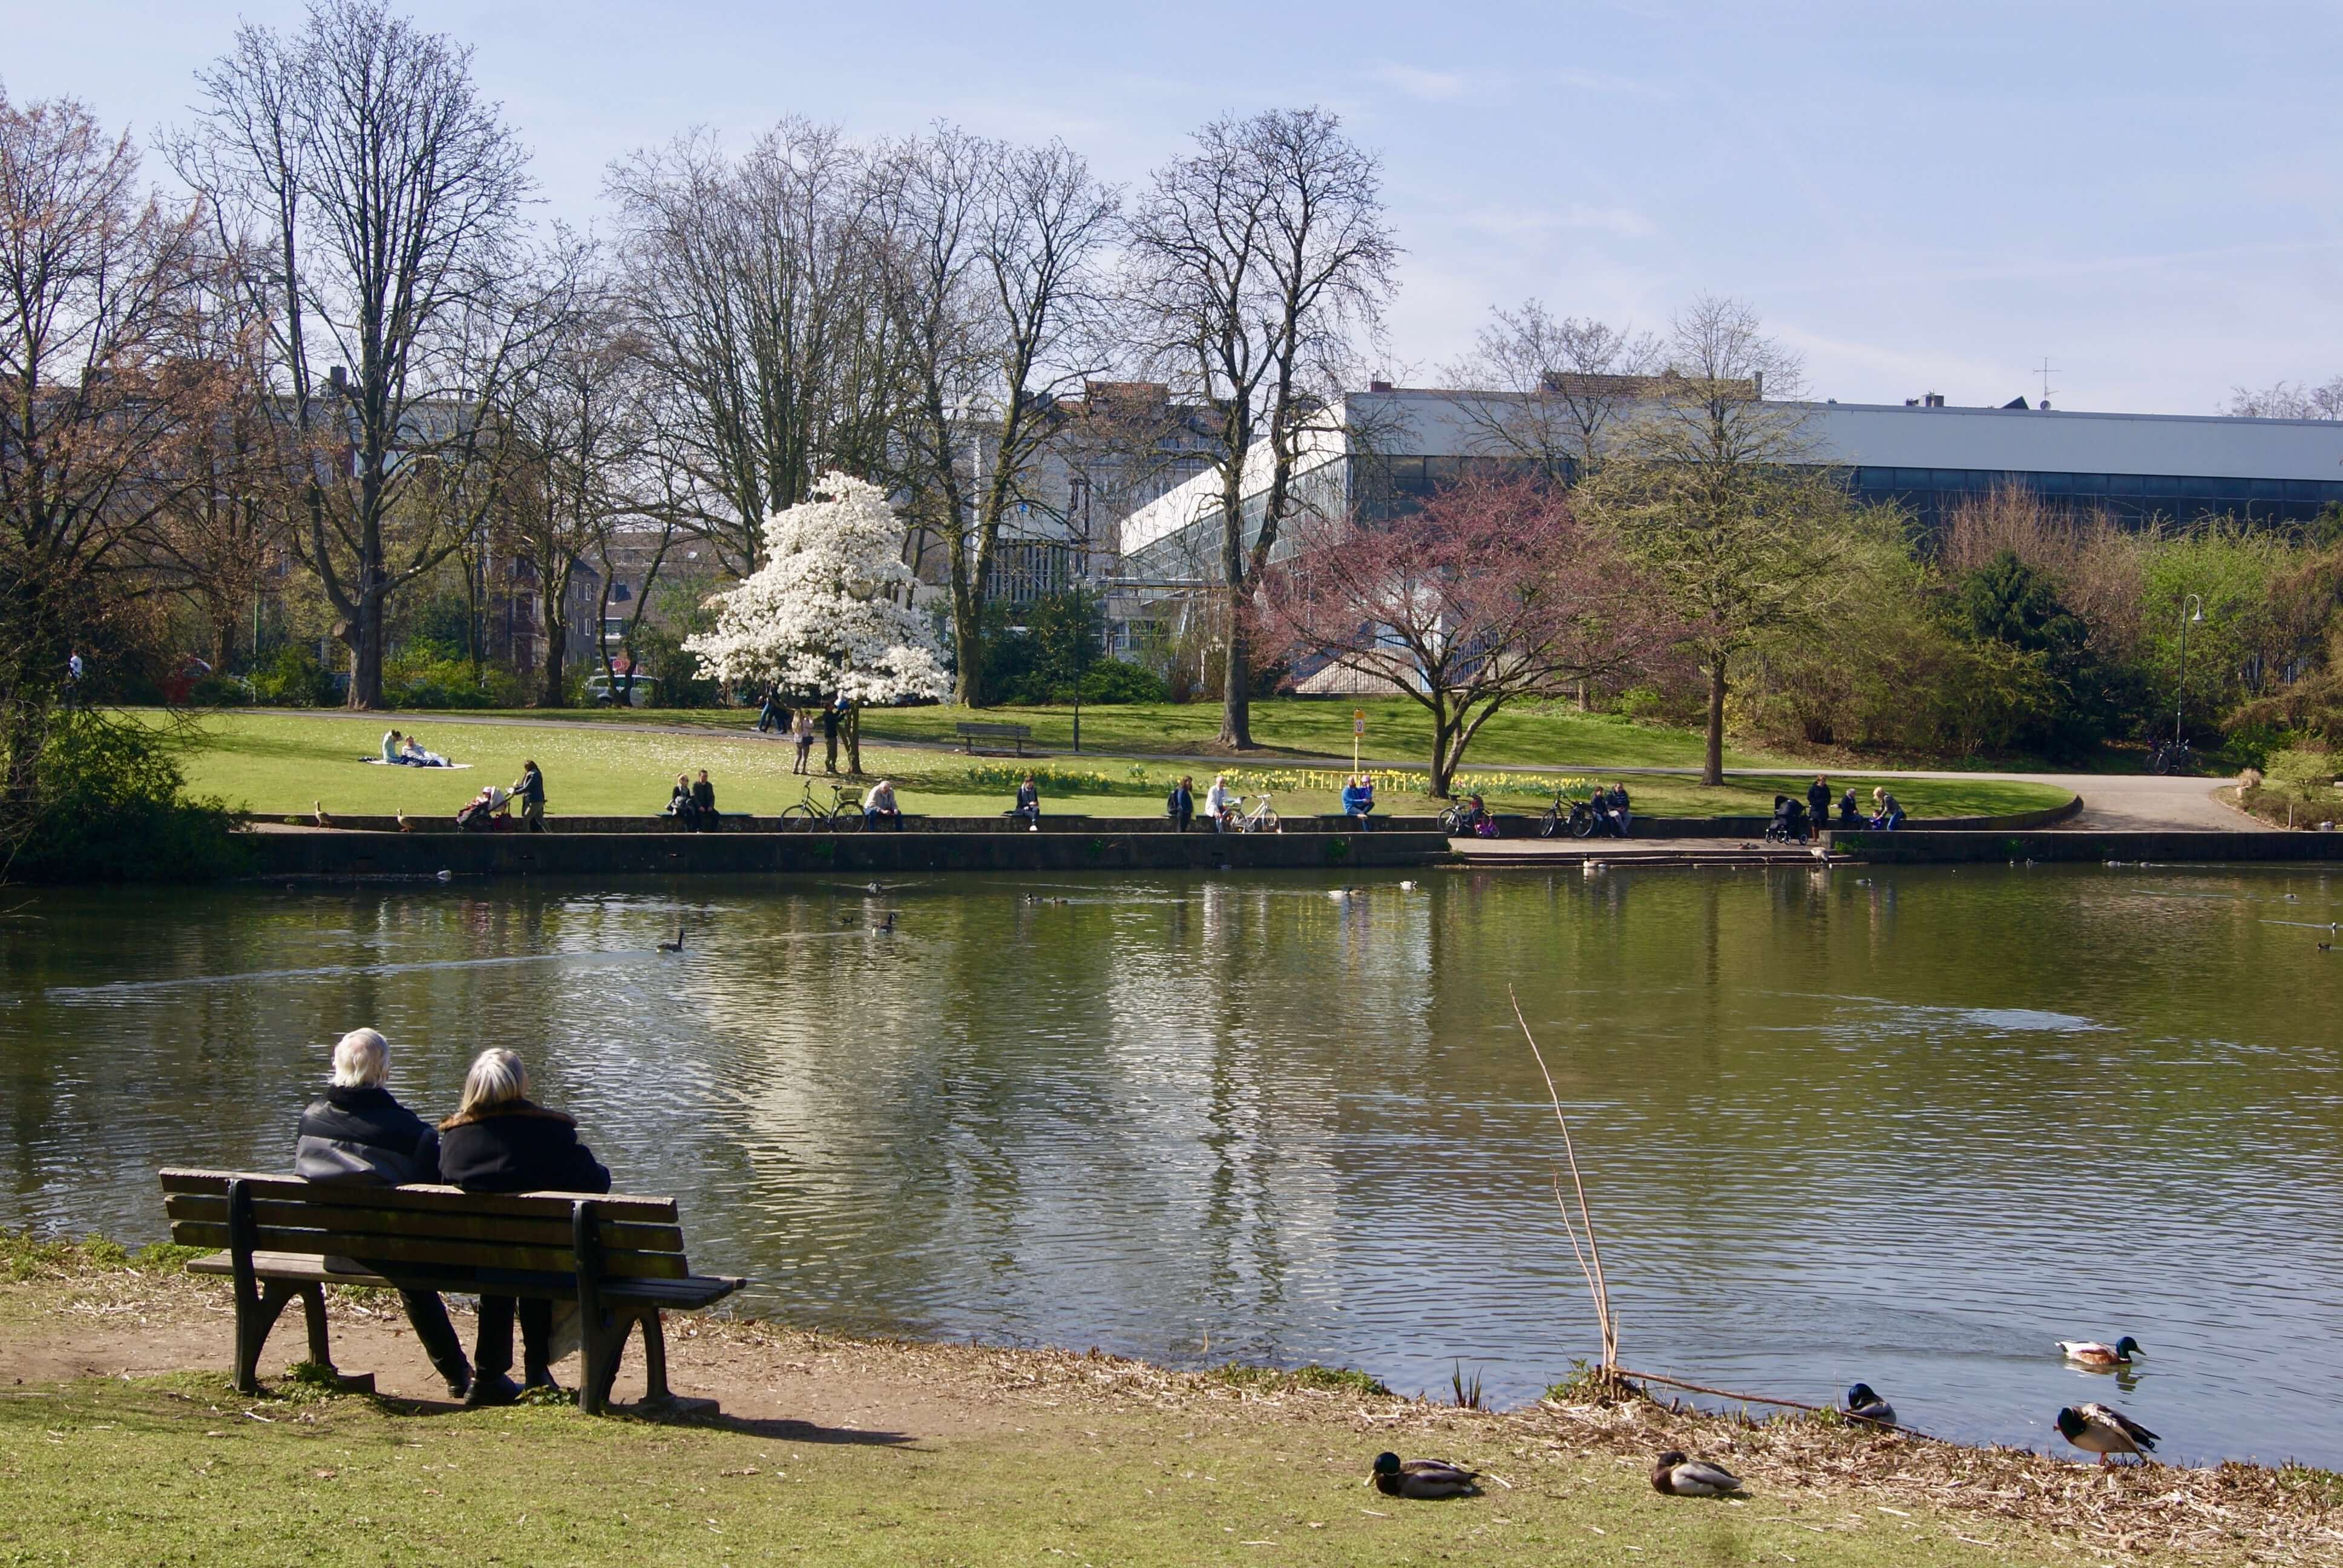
(358, 1133)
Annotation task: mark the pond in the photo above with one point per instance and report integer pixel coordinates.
(1908, 1126)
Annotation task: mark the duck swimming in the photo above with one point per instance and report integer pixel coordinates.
(1423, 1478)
(2092, 1353)
(1865, 1405)
(2097, 1429)
(1675, 1475)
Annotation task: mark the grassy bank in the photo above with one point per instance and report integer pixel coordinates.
(281, 763)
(831, 1450)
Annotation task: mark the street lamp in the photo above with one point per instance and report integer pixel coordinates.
(2180, 687)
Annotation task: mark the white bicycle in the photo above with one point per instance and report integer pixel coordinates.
(1260, 819)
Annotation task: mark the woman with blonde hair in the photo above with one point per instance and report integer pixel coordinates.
(499, 1140)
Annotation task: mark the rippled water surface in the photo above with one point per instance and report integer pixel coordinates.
(1906, 1126)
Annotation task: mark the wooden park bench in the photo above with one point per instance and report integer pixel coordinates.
(620, 1259)
(971, 733)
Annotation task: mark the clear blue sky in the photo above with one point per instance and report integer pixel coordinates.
(1921, 199)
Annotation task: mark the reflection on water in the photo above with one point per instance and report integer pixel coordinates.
(1908, 1126)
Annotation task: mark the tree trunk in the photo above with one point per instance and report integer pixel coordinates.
(1712, 765)
(1236, 683)
(854, 740)
(555, 692)
(968, 642)
(365, 640)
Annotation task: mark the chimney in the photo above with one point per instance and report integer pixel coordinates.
(1379, 386)
(1933, 400)
(1757, 384)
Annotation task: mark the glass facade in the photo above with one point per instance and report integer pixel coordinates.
(1931, 493)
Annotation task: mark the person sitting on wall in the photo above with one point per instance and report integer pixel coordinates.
(1028, 804)
(1180, 805)
(1616, 807)
(1358, 799)
(1220, 804)
(679, 804)
(879, 806)
(1848, 816)
(704, 818)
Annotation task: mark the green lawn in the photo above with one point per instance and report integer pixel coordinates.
(282, 763)
(179, 1469)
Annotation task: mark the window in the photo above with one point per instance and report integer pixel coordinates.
(619, 593)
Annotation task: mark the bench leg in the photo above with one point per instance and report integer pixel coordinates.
(256, 1315)
(654, 1358)
(313, 1307)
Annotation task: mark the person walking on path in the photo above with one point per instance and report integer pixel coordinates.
(1180, 804)
(1817, 806)
(499, 1141)
(805, 744)
(830, 735)
(360, 1135)
(529, 789)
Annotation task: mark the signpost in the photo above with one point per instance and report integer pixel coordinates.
(1358, 731)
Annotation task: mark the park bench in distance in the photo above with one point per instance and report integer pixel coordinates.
(969, 734)
(620, 1259)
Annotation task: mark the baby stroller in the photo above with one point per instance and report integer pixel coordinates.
(1789, 823)
(479, 814)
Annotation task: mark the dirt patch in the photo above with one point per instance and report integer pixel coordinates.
(73, 1321)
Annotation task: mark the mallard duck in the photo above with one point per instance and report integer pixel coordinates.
(2092, 1353)
(1865, 1405)
(2096, 1429)
(1423, 1478)
(1675, 1475)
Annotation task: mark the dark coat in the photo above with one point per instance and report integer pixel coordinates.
(531, 788)
(1179, 805)
(365, 1135)
(703, 795)
(1819, 800)
(518, 1148)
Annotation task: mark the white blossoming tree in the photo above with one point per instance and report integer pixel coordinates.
(833, 610)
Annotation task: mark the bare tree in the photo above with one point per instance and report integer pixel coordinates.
(2286, 400)
(1255, 264)
(578, 428)
(756, 289)
(1720, 492)
(222, 530)
(1547, 391)
(96, 278)
(378, 196)
(991, 272)
(1491, 593)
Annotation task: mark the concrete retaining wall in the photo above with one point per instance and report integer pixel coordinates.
(1929, 847)
(365, 854)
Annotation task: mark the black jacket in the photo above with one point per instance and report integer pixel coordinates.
(532, 787)
(703, 795)
(365, 1135)
(1819, 800)
(519, 1148)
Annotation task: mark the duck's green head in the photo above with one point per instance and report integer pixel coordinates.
(1387, 1465)
(2071, 1424)
(2127, 1347)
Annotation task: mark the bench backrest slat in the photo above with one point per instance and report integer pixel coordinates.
(436, 1226)
(619, 1236)
(443, 1199)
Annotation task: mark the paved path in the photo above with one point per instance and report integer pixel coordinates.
(2112, 803)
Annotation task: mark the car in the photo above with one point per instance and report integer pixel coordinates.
(643, 691)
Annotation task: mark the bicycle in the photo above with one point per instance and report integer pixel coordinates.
(1463, 820)
(842, 815)
(1260, 819)
(1578, 817)
(2169, 757)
